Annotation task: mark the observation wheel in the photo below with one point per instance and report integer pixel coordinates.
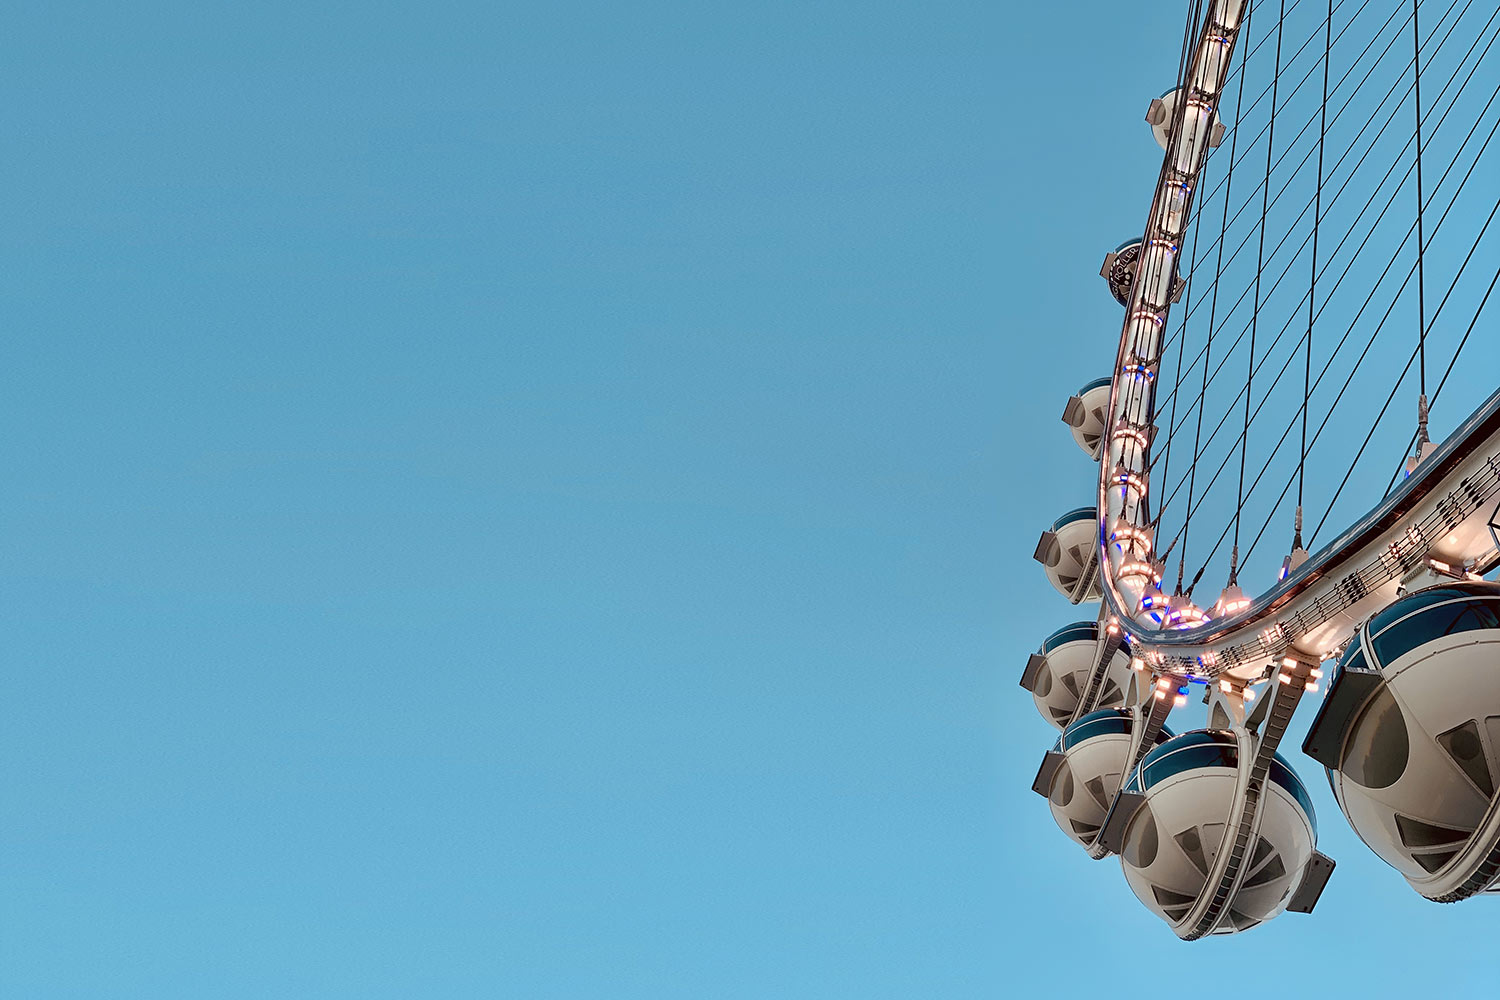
(1298, 470)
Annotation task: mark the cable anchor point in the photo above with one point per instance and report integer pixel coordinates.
(1425, 446)
(1298, 555)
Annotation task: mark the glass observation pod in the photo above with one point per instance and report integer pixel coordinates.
(1171, 847)
(1084, 414)
(1119, 273)
(1410, 735)
(1068, 553)
(1214, 748)
(1201, 126)
(1096, 750)
(1059, 674)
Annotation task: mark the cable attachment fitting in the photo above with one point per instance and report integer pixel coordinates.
(1233, 600)
(1425, 446)
(1298, 555)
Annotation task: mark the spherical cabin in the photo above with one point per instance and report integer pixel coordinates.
(1173, 840)
(1410, 734)
(1084, 415)
(1200, 119)
(1119, 272)
(1069, 553)
(1066, 661)
(1096, 751)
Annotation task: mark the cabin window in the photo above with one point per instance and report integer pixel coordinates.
(1141, 844)
(1433, 623)
(1463, 744)
(1375, 755)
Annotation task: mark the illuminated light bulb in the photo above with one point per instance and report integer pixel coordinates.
(1231, 602)
(1249, 695)
(1179, 701)
(1127, 481)
(1313, 688)
(1152, 601)
(1182, 613)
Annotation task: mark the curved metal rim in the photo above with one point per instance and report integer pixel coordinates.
(1471, 877)
(1430, 474)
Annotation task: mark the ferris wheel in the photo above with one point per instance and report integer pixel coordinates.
(1298, 488)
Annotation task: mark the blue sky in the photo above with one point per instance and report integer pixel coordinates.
(536, 501)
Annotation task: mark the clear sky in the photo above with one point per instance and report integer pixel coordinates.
(536, 500)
